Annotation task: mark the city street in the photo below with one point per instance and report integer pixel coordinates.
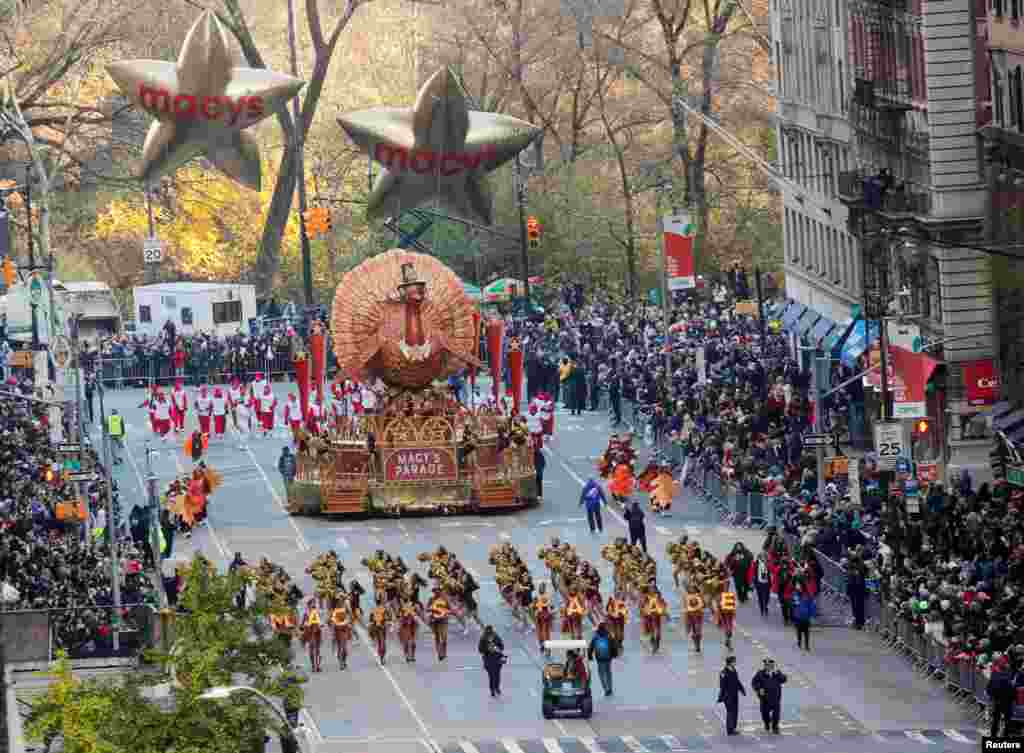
(848, 695)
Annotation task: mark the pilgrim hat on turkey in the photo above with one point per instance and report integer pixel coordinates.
(409, 276)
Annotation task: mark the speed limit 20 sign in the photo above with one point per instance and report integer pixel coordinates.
(890, 444)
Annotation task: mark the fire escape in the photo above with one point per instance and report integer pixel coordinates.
(891, 144)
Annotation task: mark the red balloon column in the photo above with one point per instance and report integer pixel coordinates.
(495, 341)
(515, 373)
(318, 350)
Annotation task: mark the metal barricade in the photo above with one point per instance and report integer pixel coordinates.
(756, 510)
(35, 636)
(935, 654)
(740, 503)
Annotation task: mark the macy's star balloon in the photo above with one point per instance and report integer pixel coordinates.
(439, 149)
(202, 103)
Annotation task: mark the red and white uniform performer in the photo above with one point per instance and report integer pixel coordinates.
(356, 399)
(259, 383)
(220, 412)
(268, 404)
(179, 405)
(162, 415)
(204, 409)
(546, 409)
(535, 427)
(293, 414)
(315, 416)
(236, 393)
(243, 418)
(338, 397)
(150, 405)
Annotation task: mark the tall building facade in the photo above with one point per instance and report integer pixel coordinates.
(880, 102)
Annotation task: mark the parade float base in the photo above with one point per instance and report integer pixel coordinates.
(414, 471)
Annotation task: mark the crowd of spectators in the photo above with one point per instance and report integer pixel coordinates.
(54, 555)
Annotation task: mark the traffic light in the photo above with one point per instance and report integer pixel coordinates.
(533, 232)
(10, 272)
(921, 426)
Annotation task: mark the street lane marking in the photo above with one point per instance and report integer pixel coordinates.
(551, 745)
(468, 747)
(299, 537)
(672, 742)
(312, 728)
(342, 542)
(634, 745)
(471, 537)
(367, 644)
(663, 531)
(505, 536)
(511, 745)
(590, 743)
(952, 734)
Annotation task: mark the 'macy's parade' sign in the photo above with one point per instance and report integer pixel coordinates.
(420, 465)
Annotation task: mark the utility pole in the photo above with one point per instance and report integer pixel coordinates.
(154, 508)
(822, 368)
(524, 251)
(666, 311)
(31, 261)
(760, 310)
(300, 148)
(115, 550)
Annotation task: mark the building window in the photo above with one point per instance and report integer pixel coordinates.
(227, 312)
(998, 101)
(186, 316)
(145, 314)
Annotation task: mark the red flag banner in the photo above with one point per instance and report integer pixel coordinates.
(981, 382)
(679, 267)
(914, 370)
(318, 351)
(495, 341)
(515, 373)
(302, 382)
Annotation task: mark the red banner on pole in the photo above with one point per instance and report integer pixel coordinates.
(913, 370)
(318, 349)
(679, 265)
(981, 382)
(495, 341)
(515, 373)
(302, 382)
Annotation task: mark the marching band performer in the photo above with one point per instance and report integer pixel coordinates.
(204, 409)
(258, 383)
(220, 412)
(379, 621)
(653, 610)
(407, 626)
(179, 405)
(312, 633)
(293, 416)
(546, 408)
(573, 612)
(727, 615)
(535, 427)
(694, 615)
(617, 612)
(316, 415)
(267, 406)
(439, 610)
(341, 622)
(544, 615)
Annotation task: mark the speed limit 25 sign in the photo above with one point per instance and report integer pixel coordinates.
(890, 444)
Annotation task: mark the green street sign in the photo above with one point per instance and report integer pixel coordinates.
(1015, 475)
(654, 296)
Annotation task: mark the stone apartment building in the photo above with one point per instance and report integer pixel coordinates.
(889, 94)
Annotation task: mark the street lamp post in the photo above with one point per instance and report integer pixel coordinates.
(223, 692)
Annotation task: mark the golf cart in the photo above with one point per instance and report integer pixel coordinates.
(567, 689)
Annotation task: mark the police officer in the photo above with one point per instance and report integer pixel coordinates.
(729, 689)
(767, 683)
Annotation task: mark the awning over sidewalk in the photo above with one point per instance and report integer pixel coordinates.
(792, 315)
(807, 322)
(860, 338)
(822, 330)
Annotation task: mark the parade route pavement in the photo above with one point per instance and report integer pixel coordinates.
(849, 695)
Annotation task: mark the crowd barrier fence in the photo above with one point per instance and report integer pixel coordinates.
(967, 683)
(144, 371)
(36, 635)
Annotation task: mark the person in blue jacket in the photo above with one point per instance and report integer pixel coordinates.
(592, 497)
(805, 609)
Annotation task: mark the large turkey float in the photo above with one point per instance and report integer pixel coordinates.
(404, 319)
